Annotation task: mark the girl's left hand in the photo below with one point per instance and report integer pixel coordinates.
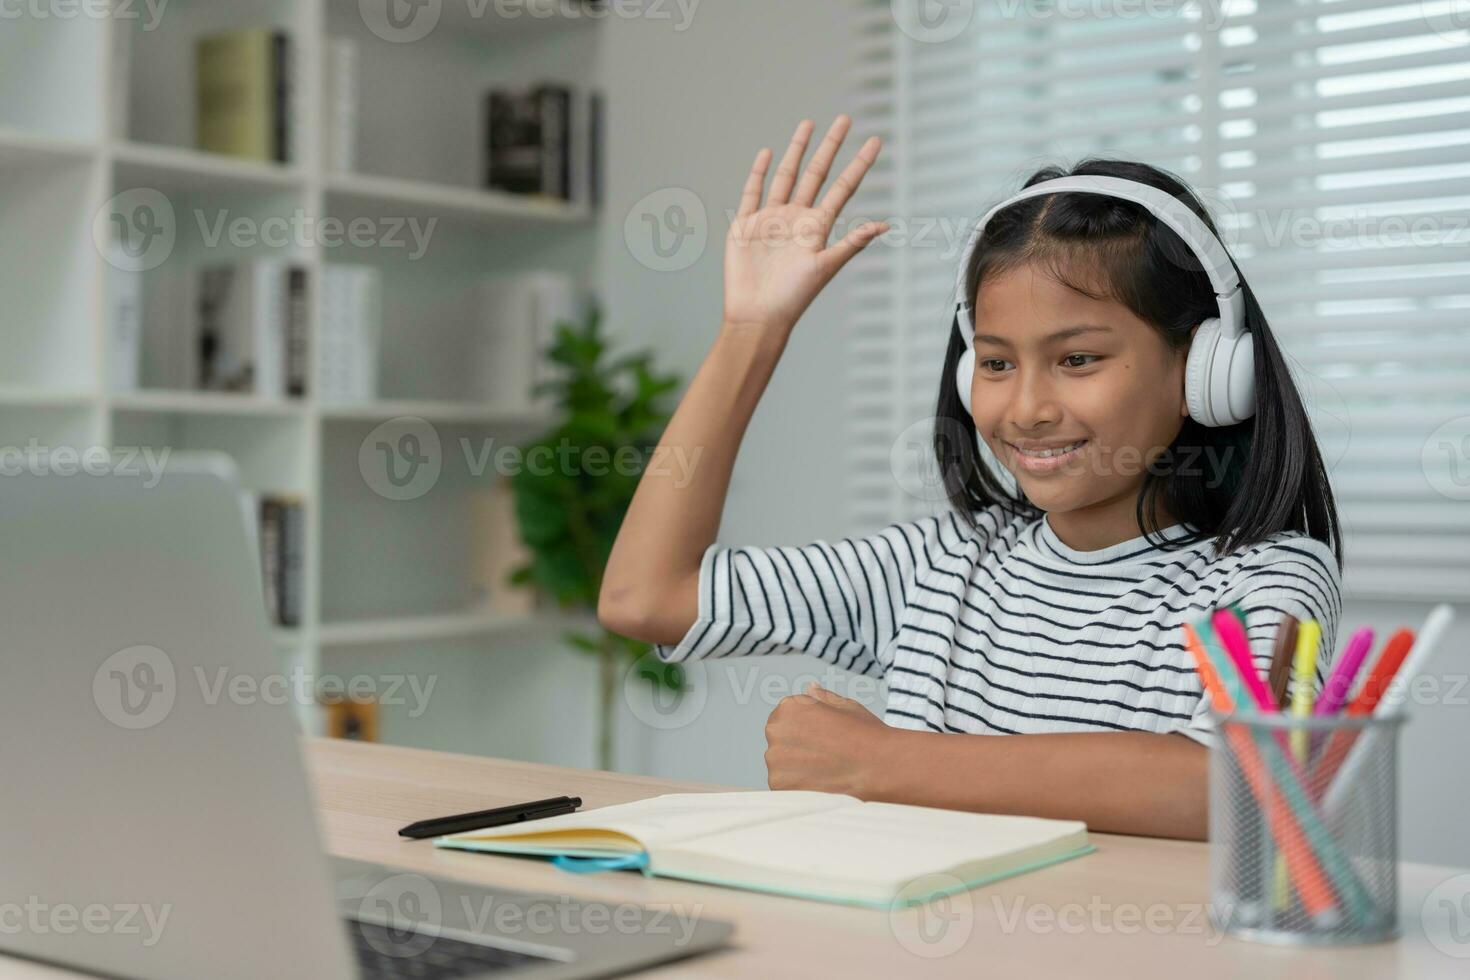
(820, 740)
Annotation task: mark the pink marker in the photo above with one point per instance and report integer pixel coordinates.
(1231, 632)
(1340, 683)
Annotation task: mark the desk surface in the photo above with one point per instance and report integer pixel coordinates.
(1135, 908)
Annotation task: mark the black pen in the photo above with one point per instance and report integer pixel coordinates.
(480, 819)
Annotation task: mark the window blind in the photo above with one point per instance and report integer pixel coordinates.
(1330, 140)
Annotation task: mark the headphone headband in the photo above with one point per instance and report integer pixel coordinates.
(1168, 209)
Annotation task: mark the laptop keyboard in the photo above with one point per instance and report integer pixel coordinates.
(387, 954)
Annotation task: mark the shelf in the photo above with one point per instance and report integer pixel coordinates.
(449, 626)
(434, 411)
(20, 149)
(459, 22)
(21, 396)
(182, 169)
(364, 195)
(204, 403)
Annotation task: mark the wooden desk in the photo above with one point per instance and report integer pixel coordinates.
(1134, 909)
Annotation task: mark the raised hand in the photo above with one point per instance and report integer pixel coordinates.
(776, 254)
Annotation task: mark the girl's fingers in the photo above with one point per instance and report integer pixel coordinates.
(847, 182)
(750, 199)
(816, 171)
(836, 256)
(830, 697)
(786, 172)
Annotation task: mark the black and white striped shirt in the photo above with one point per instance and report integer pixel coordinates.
(1004, 628)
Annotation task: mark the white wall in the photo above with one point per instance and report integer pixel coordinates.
(741, 77)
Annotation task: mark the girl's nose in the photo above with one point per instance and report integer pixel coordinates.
(1033, 401)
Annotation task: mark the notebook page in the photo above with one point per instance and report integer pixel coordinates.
(880, 845)
(675, 816)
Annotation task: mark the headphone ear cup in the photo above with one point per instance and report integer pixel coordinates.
(964, 377)
(1197, 372)
(1241, 393)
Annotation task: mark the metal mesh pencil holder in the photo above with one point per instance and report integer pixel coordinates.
(1303, 827)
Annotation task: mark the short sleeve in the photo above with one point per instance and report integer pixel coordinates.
(840, 602)
(1290, 575)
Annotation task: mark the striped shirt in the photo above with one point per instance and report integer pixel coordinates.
(1004, 628)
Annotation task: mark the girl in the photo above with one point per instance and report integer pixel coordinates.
(1050, 613)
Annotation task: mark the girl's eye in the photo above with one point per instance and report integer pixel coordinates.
(990, 361)
(1090, 358)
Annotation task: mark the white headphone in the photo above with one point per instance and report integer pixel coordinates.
(1219, 378)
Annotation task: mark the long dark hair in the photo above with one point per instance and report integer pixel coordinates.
(1273, 478)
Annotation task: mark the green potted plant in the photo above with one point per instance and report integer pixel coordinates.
(611, 414)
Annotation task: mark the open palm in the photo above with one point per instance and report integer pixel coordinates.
(776, 254)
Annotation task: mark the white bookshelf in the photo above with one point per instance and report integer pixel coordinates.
(79, 125)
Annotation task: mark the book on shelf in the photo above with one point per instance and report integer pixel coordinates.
(498, 551)
(244, 94)
(250, 328)
(281, 527)
(339, 125)
(124, 326)
(545, 141)
(519, 314)
(118, 89)
(349, 333)
(298, 362)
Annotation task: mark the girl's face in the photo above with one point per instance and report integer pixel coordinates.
(1087, 379)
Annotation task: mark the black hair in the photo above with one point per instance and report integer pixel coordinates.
(1274, 478)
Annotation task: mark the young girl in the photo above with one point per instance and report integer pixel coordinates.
(1050, 613)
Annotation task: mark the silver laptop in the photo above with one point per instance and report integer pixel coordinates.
(158, 821)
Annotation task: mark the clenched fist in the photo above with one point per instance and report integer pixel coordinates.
(819, 740)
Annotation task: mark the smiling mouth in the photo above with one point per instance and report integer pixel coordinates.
(1043, 460)
(1049, 453)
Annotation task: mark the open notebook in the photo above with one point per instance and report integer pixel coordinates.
(823, 846)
